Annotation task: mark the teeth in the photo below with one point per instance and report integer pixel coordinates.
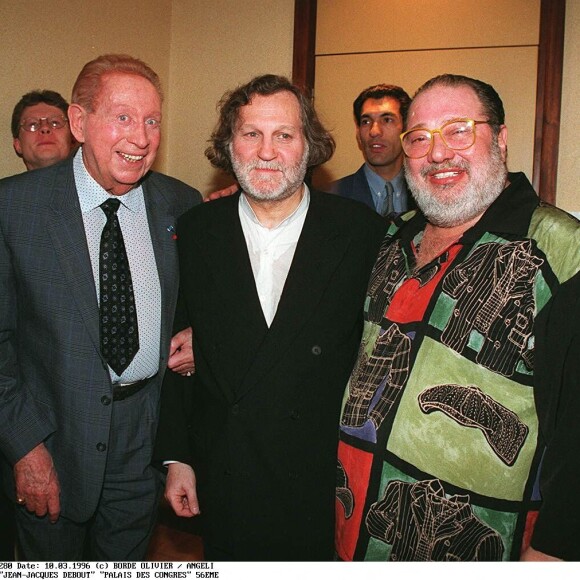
(132, 158)
(446, 174)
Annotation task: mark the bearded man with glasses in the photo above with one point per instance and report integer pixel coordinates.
(40, 129)
(459, 432)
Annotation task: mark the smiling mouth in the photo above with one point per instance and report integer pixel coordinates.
(445, 174)
(131, 158)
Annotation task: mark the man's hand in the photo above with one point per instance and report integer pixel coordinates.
(180, 490)
(531, 555)
(222, 192)
(181, 353)
(37, 485)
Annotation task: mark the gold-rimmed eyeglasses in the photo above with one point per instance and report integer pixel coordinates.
(457, 134)
(35, 123)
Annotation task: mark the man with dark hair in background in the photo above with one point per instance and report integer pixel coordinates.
(379, 112)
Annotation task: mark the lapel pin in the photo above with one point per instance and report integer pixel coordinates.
(171, 230)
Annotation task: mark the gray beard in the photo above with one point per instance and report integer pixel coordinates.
(480, 192)
(265, 189)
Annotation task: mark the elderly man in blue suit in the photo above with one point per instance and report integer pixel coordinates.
(379, 112)
(81, 358)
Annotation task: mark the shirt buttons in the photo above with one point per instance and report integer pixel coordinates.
(316, 350)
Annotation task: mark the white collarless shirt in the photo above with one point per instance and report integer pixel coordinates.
(272, 251)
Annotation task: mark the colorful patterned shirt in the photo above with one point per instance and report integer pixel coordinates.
(441, 443)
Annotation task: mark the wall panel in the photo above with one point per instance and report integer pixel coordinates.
(348, 26)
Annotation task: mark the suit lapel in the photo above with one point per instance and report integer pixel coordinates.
(161, 221)
(318, 253)
(67, 232)
(227, 261)
(226, 245)
(361, 189)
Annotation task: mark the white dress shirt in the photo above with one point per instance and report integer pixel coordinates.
(132, 216)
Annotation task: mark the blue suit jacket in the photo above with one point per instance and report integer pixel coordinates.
(355, 186)
(54, 383)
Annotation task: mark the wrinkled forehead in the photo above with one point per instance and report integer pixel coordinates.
(441, 103)
(280, 108)
(120, 87)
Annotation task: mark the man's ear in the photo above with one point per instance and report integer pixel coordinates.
(17, 146)
(76, 121)
(357, 135)
(502, 142)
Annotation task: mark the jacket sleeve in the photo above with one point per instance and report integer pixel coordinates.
(557, 388)
(23, 421)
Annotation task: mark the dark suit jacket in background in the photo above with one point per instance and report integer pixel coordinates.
(264, 406)
(54, 384)
(355, 186)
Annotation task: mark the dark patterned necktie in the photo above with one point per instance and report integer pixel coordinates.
(119, 333)
(389, 201)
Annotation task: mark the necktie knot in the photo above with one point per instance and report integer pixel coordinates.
(110, 207)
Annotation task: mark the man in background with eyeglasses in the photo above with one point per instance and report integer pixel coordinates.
(459, 432)
(40, 129)
(379, 112)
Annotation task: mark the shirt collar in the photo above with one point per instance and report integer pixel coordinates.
(295, 215)
(510, 214)
(377, 183)
(92, 195)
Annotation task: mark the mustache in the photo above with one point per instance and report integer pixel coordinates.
(437, 167)
(264, 165)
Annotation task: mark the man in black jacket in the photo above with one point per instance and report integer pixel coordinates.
(272, 281)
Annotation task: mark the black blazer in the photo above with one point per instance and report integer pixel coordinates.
(264, 406)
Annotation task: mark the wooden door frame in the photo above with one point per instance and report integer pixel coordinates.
(548, 90)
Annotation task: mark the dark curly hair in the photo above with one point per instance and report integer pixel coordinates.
(320, 142)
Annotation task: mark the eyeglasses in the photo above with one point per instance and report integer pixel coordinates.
(35, 123)
(457, 134)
